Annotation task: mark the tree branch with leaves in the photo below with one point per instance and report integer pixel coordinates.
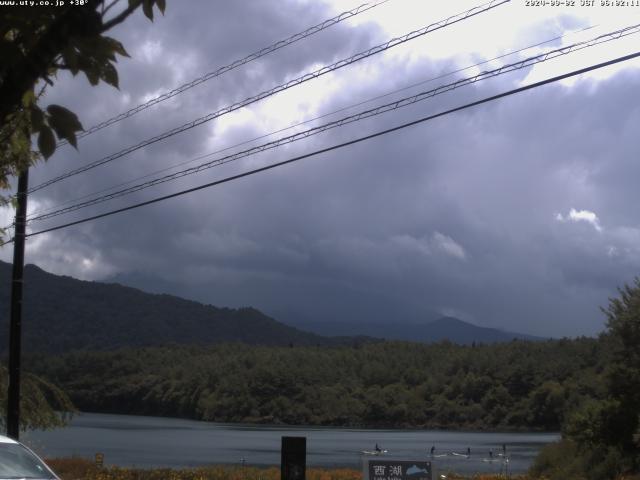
(43, 404)
(36, 43)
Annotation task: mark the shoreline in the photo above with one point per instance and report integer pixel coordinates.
(279, 425)
(174, 443)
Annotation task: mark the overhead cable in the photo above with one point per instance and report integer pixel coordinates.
(233, 65)
(406, 101)
(298, 124)
(304, 78)
(342, 145)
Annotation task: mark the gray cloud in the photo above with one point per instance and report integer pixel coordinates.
(459, 215)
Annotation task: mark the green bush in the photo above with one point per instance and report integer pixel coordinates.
(559, 461)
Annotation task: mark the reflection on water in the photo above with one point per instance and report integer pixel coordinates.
(150, 441)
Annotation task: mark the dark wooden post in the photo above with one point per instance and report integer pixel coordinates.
(293, 463)
(15, 329)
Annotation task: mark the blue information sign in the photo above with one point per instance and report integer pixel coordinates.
(388, 469)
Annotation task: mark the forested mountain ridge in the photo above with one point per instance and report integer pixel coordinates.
(431, 326)
(62, 313)
(512, 386)
(442, 328)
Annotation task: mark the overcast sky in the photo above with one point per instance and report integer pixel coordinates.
(520, 214)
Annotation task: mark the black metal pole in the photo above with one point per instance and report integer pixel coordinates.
(13, 403)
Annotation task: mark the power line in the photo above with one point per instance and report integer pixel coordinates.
(304, 78)
(227, 68)
(353, 118)
(304, 122)
(345, 144)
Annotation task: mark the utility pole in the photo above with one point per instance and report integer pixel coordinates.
(15, 340)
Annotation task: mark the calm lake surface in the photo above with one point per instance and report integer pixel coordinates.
(128, 440)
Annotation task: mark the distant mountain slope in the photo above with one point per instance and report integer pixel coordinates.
(433, 328)
(444, 328)
(464, 332)
(62, 313)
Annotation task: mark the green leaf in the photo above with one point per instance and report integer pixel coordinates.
(110, 75)
(93, 75)
(162, 4)
(71, 138)
(28, 98)
(148, 9)
(64, 122)
(64, 117)
(70, 57)
(116, 46)
(37, 118)
(46, 142)
(98, 49)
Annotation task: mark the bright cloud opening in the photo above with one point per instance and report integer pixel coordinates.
(448, 246)
(581, 216)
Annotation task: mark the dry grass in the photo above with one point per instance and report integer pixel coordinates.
(82, 469)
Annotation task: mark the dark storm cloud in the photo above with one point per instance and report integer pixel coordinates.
(467, 215)
(179, 48)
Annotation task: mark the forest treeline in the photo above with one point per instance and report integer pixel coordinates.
(512, 386)
(62, 313)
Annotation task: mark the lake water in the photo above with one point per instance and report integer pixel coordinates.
(169, 442)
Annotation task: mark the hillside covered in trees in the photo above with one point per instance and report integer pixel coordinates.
(516, 385)
(62, 313)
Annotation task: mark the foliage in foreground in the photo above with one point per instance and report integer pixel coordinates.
(602, 437)
(37, 43)
(566, 460)
(516, 385)
(42, 404)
